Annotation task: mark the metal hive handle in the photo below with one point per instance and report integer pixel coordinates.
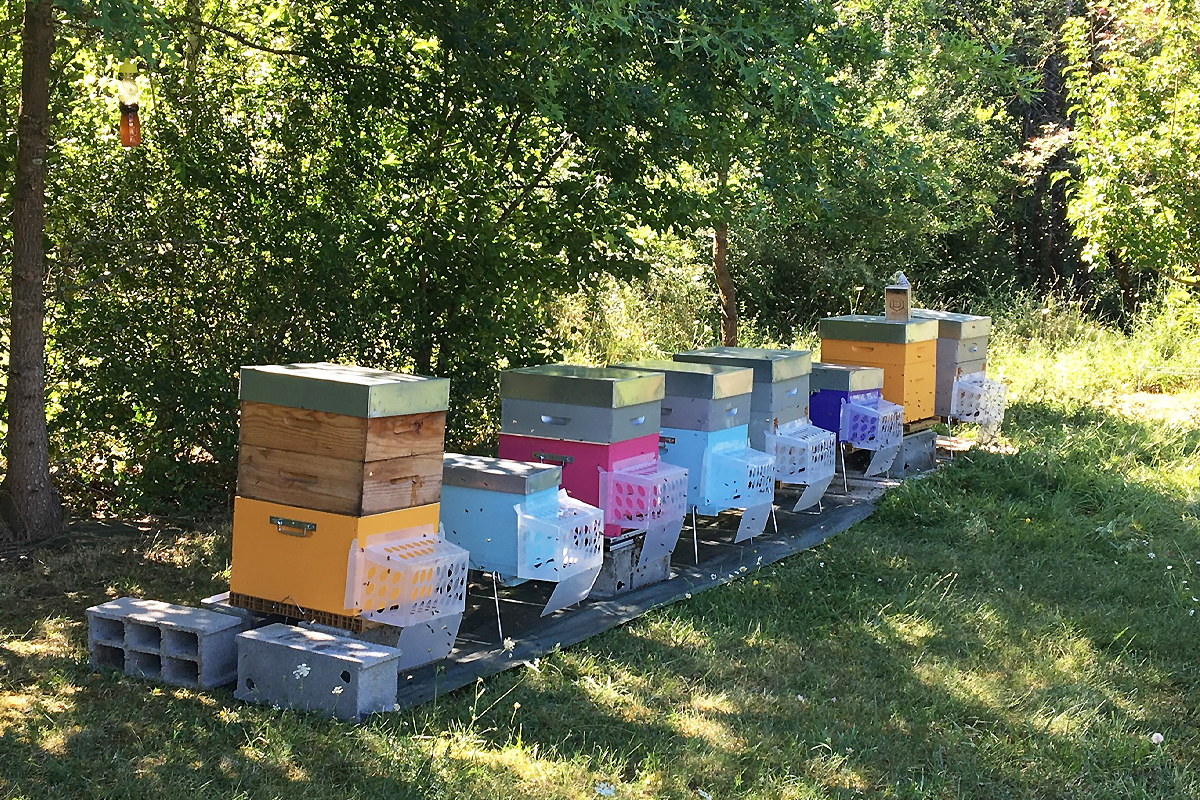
(294, 527)
(548, 420)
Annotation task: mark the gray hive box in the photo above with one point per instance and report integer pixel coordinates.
(843, 378)
(704, 381)
(770, 366)
(499, 474)
(780, 376)
(956, 326)
(868, 328)
(602, 387)
(341, 389)
(582, 404)
(701, 397)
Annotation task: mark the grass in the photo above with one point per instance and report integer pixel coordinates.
(1014, 626)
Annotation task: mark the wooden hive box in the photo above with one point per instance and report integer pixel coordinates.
(345, 440)
(905, 350)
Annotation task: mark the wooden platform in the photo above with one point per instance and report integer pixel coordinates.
(483, 649)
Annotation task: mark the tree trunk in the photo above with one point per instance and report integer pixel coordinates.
(36, 510)
(725, 287)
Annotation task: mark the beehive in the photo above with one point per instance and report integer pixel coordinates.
(705, 412)
(593, 422)
(905, 350)
(961, 351)
(512, 519)
(339, 476)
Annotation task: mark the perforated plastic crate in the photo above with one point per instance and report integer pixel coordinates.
(978, 399)
(555, 540)
(803, 452)
(405, 582)
(641, 494)
(872, 426)
(744, 476)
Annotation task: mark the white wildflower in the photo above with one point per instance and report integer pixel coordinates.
(301, 671)
(605, 789)
(1157, 738)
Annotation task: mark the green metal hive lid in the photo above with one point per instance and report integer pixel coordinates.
(704, 381)
(342, 389)
(843, 378)
(956, 326)
(769, 365)
(868, 328)
(600, 387)
(499, 474)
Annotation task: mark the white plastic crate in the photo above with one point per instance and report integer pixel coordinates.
(643, 494)
(555, 540)
(978, 399)
(742, 476)
(405, 582)
(876, 426)
(803, 452)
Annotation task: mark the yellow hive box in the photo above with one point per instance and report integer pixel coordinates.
(909, 369)
(300, 558)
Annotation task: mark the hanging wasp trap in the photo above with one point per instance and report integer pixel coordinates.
(127, 98)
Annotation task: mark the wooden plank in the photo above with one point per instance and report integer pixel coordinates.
(340, 436)
(336, 485)
(916, 426)
(721, 562)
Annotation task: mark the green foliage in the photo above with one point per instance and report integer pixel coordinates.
(1134, 82)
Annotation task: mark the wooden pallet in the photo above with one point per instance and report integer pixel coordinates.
(918, 425)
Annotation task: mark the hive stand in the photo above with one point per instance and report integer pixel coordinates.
(174, 644)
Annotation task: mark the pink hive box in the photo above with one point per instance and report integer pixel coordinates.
(581, 473)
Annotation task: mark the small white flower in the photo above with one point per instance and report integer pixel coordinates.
(337, 690)
(800, 697)
(1169, 566)
(712, 577)
(301, 671)
(687, 595)
(703, 794)
(743, 569)
(833, 699)
(1150, 554)
(605, 789)
(822, 563)
(1157, 738)
(1192, 613)
(509, 644)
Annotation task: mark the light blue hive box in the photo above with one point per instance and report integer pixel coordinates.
(704, 415)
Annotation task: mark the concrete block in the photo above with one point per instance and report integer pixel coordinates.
(419, 644)
(918, 453)
(621, 573)
(161, 641)
(307, 670)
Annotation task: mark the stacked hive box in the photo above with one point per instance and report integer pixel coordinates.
(705, 413)
(804, 454)
(905, 350)
(336, 518)
(601, 426)
(848, 401)
(516, 523)
(961, 351)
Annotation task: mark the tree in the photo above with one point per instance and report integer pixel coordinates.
(1133, 80)
(34, 508)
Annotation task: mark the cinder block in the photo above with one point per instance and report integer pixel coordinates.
(419, 644)
(165, 642)
(289, 667)
(621, 573)
(918, 453)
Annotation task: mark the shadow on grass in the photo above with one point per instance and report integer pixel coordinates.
(999, 629)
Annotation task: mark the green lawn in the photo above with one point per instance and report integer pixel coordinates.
(1017, 625)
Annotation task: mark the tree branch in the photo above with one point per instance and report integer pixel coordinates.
(529, 187)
